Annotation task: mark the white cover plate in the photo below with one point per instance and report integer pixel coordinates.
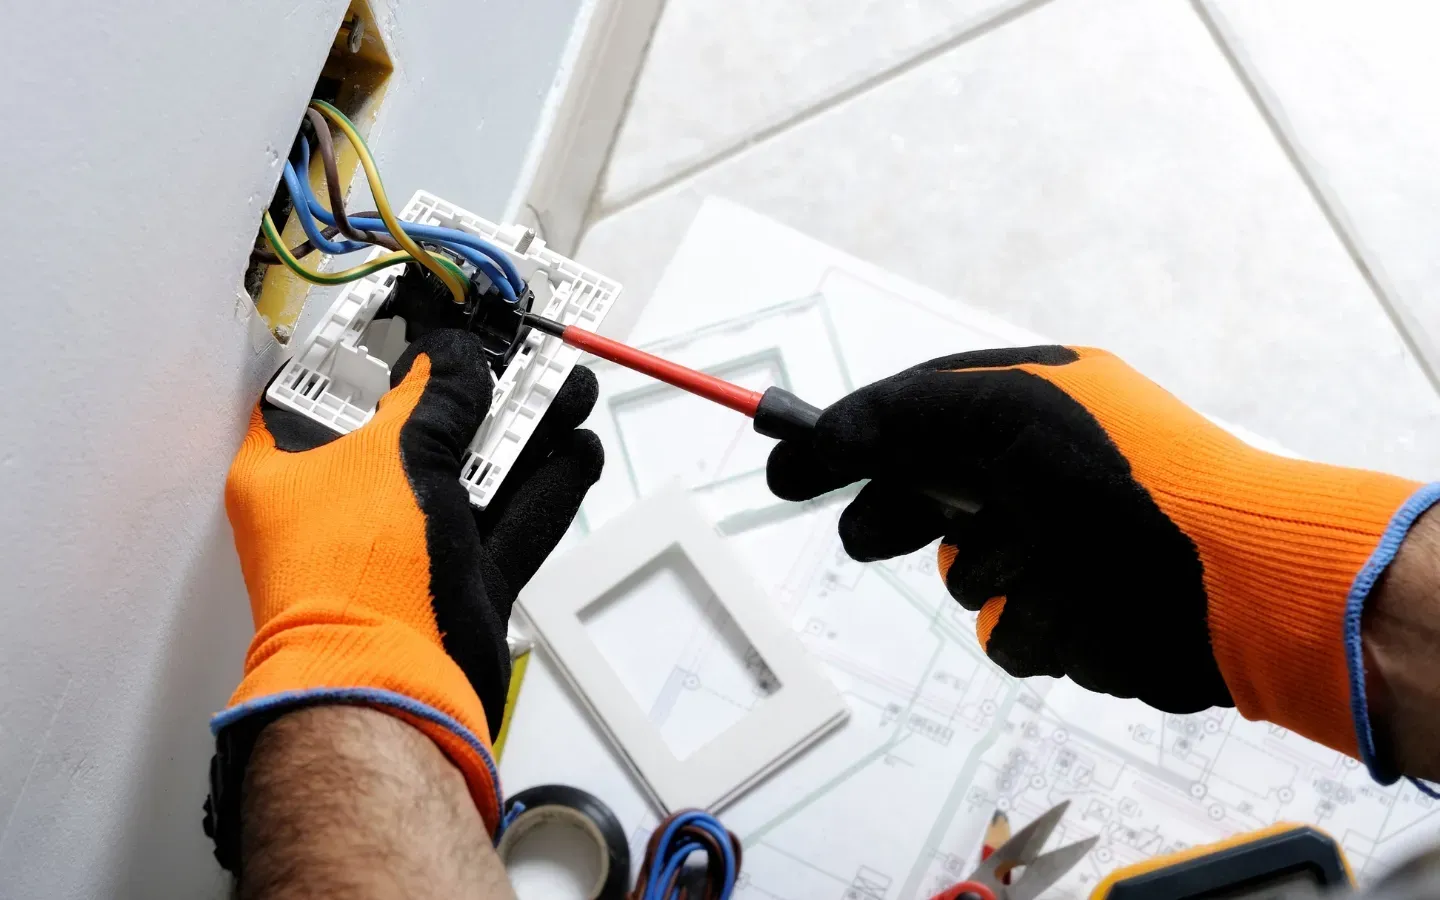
(803, 708)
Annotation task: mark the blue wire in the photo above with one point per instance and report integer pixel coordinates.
(462, 242)
(486, 265)
(722, 836)
(671, 867)
(652, 886)
(675, 856)
(300, 198)
(466, 239)
(448, 236)
(299, 187)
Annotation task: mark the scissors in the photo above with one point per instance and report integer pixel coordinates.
(1023, 849)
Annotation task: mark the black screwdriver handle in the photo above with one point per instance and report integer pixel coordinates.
(785, 417)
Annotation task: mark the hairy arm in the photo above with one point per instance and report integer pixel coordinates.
(348, 801)
(1401, 630)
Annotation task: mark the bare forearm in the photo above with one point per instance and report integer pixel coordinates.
(348, 801)
(1401, 631)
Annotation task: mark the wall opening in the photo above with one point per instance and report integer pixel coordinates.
(354, 78)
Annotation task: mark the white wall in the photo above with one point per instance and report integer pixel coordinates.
(138, 145)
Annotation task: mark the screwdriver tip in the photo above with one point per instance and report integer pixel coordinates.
(539, 322)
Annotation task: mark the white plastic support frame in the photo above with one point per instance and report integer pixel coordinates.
(804, 708)
(338, 374)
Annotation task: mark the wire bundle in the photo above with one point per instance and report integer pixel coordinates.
(674, 840)
(381, 228)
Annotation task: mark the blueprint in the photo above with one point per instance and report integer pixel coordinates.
(893, 804)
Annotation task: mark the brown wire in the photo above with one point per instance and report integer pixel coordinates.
(651, 848)
(714, 866)
(263, 253)
(326, 149)
(325, 146)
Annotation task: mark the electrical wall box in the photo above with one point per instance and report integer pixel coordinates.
(354, 77)
(341, 370)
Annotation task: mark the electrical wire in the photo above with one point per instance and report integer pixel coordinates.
(305, 203)
(452, 277)
(486, 259)
(673, 842)
(344, 276)
(326, 148)
(300, 199)
(263, 253)
(475, 258)
(466, 239)
(485, 256)
(441, 236)
(460, 242)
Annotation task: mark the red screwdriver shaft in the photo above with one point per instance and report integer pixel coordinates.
(777, 413)
(708, 386)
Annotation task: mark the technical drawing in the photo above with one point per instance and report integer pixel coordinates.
(658, 553)
(894, 804)
(790, 345)
(339, 373)
(711, 679)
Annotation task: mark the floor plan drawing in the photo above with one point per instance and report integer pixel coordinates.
(894, 803)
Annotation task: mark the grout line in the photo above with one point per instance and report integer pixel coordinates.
(1411, 332)
(978, 29)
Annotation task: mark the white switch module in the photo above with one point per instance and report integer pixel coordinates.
(338, 374)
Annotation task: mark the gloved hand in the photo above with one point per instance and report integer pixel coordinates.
(1123, 540)
(373, 580)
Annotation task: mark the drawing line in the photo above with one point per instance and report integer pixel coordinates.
(895, 738)
(958, 789)
(768, 845)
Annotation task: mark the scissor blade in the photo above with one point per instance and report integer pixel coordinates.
(1041, 873)
(1023, 846)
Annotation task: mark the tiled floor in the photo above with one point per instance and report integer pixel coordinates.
(1236, 195)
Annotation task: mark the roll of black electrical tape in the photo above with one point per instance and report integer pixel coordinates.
(551, 805)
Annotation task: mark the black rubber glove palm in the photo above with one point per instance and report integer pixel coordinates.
(479, 559)
(1089, 568)
(371, 577)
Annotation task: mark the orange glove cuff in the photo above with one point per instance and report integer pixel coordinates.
(1279, 578)
(317, 654)
(1282, 543)
(333, 545)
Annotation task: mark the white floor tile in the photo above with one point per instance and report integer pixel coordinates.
(1358, 86)
(634, 250)
(720, 70)
(1093, 171)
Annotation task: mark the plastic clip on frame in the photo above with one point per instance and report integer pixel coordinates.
(339, 373)
(668, 526)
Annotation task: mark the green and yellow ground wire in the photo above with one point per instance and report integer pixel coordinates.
(344, 276)
(448, 273)
(455, 282)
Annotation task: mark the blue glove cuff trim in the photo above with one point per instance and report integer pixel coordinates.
(1370, 573)
(368, 697)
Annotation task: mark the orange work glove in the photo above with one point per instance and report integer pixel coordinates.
(373, 580)
(1123, 540)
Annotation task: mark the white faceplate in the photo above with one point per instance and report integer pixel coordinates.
(800, 707)
(338, 374)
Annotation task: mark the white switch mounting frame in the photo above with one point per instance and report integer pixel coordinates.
(800, 712)
(338, 374)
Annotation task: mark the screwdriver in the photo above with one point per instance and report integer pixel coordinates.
(776, 412)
